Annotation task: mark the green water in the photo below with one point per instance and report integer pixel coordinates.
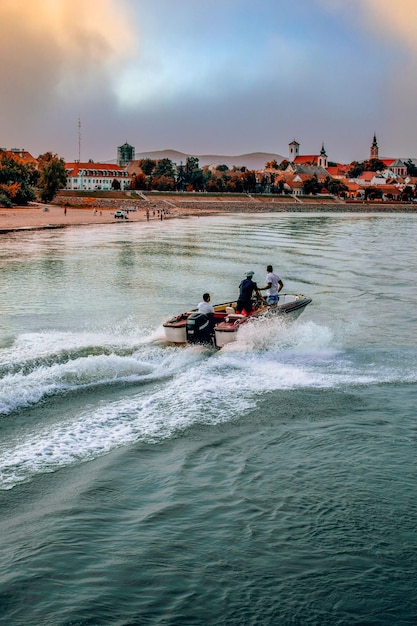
(269, 483)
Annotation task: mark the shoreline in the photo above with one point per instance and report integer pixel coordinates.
(37, 217)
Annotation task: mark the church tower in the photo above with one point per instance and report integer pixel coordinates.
(322, 160)
(294, 148)
(374, 149)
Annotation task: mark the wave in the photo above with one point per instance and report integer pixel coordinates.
(136, 389)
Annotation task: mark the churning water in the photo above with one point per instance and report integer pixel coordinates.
(273, 482)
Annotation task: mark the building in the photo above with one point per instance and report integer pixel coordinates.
(293, 150)
(318, 160)
(398, 168)
(21, 155)
(125, 154)
(96, 176)
(374, 149)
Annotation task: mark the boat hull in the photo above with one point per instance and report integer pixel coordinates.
(226, 331)
(227, 322)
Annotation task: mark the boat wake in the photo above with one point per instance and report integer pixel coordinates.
(67, 398)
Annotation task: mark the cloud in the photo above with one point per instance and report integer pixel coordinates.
(383, 18)
(55, 49)
(160, 74)
(397, 21)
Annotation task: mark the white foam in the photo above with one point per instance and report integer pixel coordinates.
(194, 385)
(280, 333)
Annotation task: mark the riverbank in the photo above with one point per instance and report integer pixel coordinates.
(101, 211)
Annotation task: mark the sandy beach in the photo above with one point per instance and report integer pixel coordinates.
(35, 217)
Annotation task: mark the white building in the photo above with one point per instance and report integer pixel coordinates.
(96, 176)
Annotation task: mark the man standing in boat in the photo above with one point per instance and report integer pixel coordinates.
(274, 284)
(247, 287)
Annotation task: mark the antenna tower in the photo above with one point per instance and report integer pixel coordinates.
(79, 139)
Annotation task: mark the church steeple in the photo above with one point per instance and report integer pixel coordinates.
(293, 152)
(322, 160)
(374, 149)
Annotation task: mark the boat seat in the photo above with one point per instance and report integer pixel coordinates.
(229, 310)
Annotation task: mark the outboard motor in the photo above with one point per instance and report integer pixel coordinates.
(199, 328)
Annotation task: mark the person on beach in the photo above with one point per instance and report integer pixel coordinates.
(246, 289)
(273, 284)
(205, 306)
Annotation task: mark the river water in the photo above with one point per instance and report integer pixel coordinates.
(272, 482)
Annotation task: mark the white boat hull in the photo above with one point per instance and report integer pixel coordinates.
(227, 323)
(175, 334)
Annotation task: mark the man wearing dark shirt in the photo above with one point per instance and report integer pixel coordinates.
(247, 287)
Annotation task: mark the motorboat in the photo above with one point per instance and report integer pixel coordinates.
(193, 327)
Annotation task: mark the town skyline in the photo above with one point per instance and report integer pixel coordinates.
(208, 78)
(255, 160)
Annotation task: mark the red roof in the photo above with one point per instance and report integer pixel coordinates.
(306, 158)
(93, 169)
(20, 155)
(367, 176)
(336, 171)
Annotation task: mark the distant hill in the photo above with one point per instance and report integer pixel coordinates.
(253, 160)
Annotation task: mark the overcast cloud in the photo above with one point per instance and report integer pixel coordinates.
(221, 77)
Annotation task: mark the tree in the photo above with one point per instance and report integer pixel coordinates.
(411, 168)
(181, 181)
(52, 175)
(164, 167)
(216, 184)
(139, 181)
(407, 193)
(249, 181)
(193, 173)
(16, 180)
(371, 193)
(283, 165)
(373, 165)
(233, 182)
(147, 166)
(312, 186)
(222, 168)
(335, 186)
(356, 169)
(163, 183)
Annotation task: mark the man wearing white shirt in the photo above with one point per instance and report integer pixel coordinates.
(205, 306)
(274, 284)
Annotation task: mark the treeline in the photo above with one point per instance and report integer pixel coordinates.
(164, 175)
(21, 183)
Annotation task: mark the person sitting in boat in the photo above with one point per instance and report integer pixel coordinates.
(246, 289)
(274, 285)
(205, 306)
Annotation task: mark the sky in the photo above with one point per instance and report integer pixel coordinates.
(224, 77)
